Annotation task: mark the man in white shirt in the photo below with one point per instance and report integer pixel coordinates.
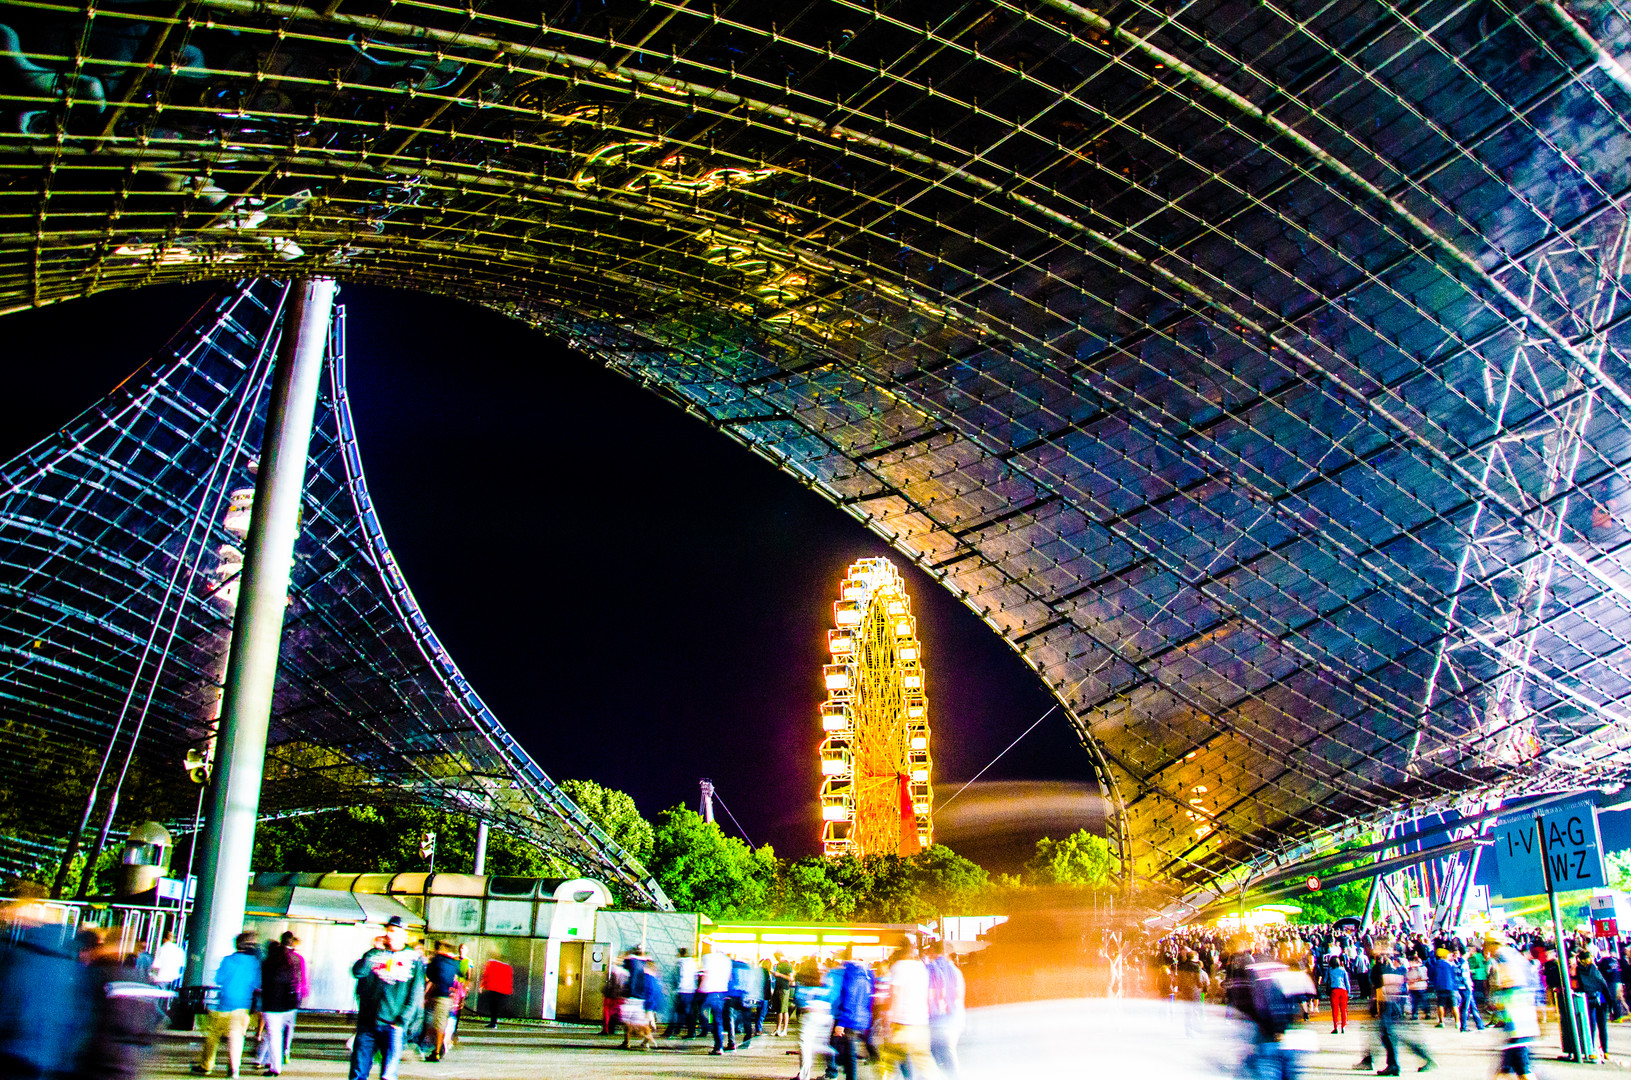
(713, 983)
(908, 1018)
(685, 998)
(168, 960)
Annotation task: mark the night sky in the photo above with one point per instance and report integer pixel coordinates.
(641, 601)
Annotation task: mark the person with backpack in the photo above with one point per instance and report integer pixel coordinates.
(283, 987)
(1273, 1000)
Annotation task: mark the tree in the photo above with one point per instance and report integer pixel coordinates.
(702, 869)
(1080, 859)
(386, 839)
(615, 812)
(1618, 865)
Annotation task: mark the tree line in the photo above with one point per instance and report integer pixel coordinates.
(696, 863)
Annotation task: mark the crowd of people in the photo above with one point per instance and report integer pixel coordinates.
(903, 1016)
(1279, 976)
(900, 1017)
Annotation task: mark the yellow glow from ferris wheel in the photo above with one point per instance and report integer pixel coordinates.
(876, 796)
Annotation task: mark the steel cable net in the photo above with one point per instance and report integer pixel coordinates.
(1256, 370)
(121, 540)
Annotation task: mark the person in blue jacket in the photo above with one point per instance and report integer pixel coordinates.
(1442, 977)
(237, 980)
(852, 1013)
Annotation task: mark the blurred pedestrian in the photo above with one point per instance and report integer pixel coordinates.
(390, 997)
(41, 1024)
(124, 1008)
(814, 996)
(1393, 991)
(712, 987)
(613, 988)
(1512, 986)
(907, 1051)
(947, 991)
(237, 978)
(645, 1002)
(441, 984)
(742, 1002)
(283, 988)
(851, 1013)
(685, 997)
(168, 961)
(497, 984)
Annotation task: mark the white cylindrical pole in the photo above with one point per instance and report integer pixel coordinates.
(257, 632)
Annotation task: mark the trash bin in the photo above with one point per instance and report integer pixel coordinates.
(186, 1005)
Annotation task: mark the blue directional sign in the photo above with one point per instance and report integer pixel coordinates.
(1574, 849)
(1517, 855)
(1573, 846)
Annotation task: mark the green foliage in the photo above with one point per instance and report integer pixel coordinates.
(1618, 866)
(615, 812)
(702, 869)
(1330, 904)
(385, 839)
(1080, 859)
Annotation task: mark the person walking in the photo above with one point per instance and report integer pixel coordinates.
(1595, 989)
(742, 1001)
(851, 1013)
(441, 985)
(814, 996)
(1339, 986)
(712, 986)
(283, 987)
(685, 994)
(1512, 992)
(497, 984)
(122, 1012)
(168, 961)
(947, 991)
(1393, 991)
(907, 1050)
(390, 999)
(236, 980)
(1466, 1000)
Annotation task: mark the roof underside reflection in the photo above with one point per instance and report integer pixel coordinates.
(1255, 369)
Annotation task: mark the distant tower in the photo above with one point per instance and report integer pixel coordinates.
(707, 801)
(875, 792)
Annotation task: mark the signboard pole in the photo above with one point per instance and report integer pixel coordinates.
(1565, 993)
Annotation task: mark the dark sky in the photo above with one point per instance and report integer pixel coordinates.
(641, 601)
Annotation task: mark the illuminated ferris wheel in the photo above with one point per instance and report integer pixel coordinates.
(875, 793)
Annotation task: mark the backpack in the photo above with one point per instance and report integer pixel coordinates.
(1277, 997)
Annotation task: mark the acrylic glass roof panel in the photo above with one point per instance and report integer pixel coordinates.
(1255, 369)
(120, 543)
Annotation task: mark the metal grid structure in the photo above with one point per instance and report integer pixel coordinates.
(1255, 369)
(876, 793)
(120, 546)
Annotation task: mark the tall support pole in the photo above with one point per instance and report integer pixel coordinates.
(257, 631)
(1565, 996)
(479, 866)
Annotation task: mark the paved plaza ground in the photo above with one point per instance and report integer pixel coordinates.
(1100, 1046)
